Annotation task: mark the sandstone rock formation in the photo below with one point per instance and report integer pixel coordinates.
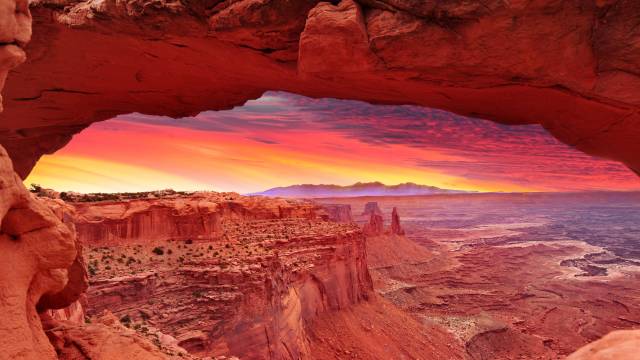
(103, 339)
(248, 286)
(338, 212)
(375, 226)
(15, 33)
(619, 345)
(196, 217)
(39, 257)
(371, 208)
(494, 60)
(395, 223)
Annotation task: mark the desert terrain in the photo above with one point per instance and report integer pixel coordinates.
(512, 276)
(219, 275)
(459, 276)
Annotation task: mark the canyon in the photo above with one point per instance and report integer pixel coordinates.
(219, 274)
(492, 269)
(92, 60)
(256, 277)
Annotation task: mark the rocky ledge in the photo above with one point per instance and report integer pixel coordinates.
(221, 273)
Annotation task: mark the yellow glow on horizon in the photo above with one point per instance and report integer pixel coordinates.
(125, 156)
(80, 174)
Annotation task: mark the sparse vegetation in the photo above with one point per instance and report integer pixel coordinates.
(158, 250)
(126, 320)
(91, 269)
(35, 188)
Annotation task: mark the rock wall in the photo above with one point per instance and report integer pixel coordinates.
(40, 267)
(196, 217)
(494, 60)
(251, 293)
(338, 212)
(371, 208)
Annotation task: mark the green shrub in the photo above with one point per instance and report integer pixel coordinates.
(91, 269)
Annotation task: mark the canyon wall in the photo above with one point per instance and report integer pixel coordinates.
(338, 212)
(251, 293)
(195, 217)
(92, 60)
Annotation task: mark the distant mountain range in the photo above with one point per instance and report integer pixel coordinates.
(357, 189)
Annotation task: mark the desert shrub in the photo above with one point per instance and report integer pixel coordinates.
(35, 188)
(91, 269)
(169, 251)
(158, 250)
(189, 242)
(126, 320)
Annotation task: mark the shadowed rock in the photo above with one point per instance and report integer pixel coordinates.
(395, 223)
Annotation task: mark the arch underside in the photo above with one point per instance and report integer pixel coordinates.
(570, 66)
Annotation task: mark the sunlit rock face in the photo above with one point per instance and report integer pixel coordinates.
(197, 217)
(39, 258)
(15, 33)
(619, 345)
(250, 286)
(570, 66)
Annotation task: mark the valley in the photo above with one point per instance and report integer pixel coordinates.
(508, 274)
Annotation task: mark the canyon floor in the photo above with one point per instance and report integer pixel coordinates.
(512, 276)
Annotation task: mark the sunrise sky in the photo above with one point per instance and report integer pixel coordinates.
(283, 139)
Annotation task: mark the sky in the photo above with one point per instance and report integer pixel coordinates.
(282, 139)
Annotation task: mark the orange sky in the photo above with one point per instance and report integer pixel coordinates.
(283, 139)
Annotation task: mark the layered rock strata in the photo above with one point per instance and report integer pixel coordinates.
(195, 217)
(338, 212)
(249, 289)
(371, 208)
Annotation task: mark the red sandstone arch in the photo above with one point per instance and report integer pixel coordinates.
(572, 66)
